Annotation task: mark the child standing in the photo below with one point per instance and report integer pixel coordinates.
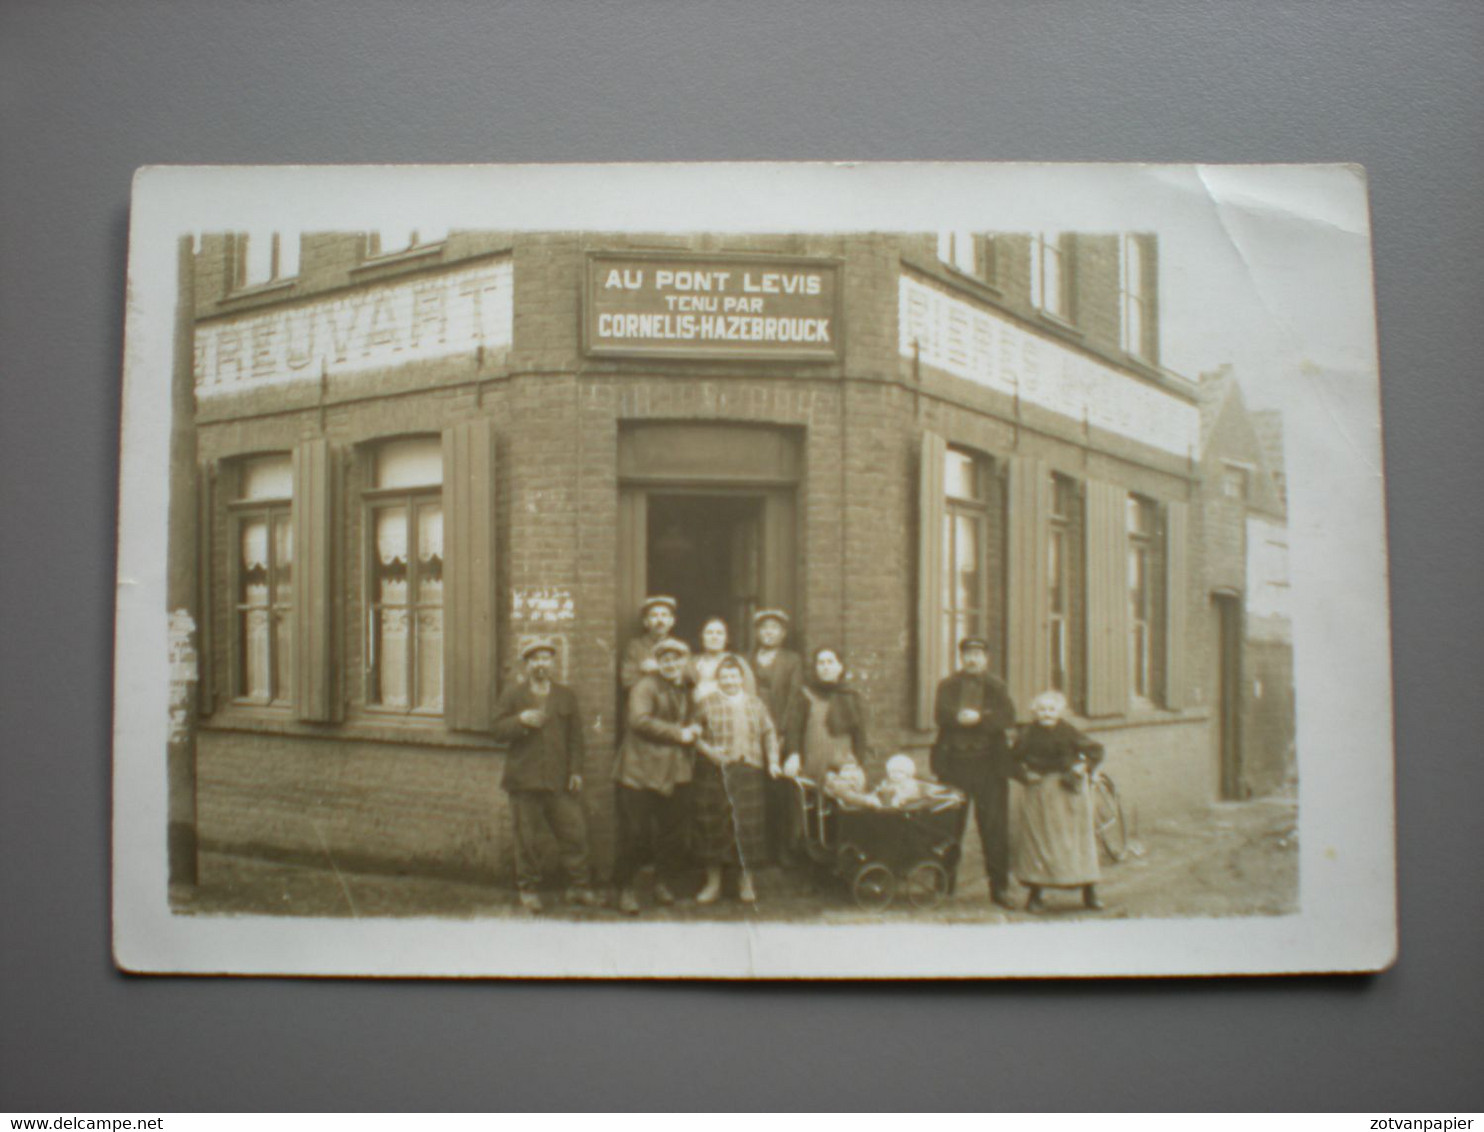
(1055, 841)
(739, 749)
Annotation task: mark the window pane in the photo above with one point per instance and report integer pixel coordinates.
(968, 574)
(267, 477)
(430, 554)
(283, 559)
(253, 653)
(1133, 333)
(257, 258)
(389, 636)
(1133, 263)
(1141, 660)
(1138, 583)
(948, 564)
(1053, 286)
(1058, 652)
(389, 633)
(429, 659)
(961, 478)
(416, 462)
(288, 255)
(1054, 572)
(283, 654)
(1140, 515)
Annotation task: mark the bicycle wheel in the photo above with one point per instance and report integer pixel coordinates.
(1112, 829)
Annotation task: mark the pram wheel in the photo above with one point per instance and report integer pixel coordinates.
(873, 886)
(927, 883)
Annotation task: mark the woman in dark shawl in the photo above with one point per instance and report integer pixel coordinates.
(825, 725)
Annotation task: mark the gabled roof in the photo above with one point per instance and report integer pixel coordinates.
(1232, 432)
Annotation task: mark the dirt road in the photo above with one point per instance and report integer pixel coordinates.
(1235, 859)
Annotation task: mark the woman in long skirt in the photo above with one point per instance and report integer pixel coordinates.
(1055, 843)
(739, 750)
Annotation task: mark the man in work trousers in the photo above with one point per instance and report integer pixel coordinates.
(540, 722)
(652, 777)
(972, 711)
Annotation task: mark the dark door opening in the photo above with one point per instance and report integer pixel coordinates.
(706, 552)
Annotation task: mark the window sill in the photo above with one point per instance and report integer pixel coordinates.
(956, 277)
(425, 731)
(1058, 322)
(1145, 715)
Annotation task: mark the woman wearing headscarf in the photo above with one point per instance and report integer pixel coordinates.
(825, 726)
(738, 750)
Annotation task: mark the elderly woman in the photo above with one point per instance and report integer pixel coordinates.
(825, 726)
(738, 748)
(1055, 842)
(714, 636)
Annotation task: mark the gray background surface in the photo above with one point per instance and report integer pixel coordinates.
(90, 91)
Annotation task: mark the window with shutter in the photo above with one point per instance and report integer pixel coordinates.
(1050, 274)
(312, 533)
(1177, 595)
(206, 476)
(404, 527)
(931, 512)
(1065, 607)
(1107, 600)
(956, 576)
(1027, 668)
(469, 643)
(262, 572)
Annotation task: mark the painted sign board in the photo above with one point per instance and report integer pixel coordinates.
(977, 343)
(390, 323)
(763, 307)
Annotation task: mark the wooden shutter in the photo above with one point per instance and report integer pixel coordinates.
(1028, 658)
(469, 575)
(1107, 600)
(1177, 601)
(931, 509)
(205, 602)
(315, 699)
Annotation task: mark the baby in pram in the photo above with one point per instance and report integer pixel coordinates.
(900, 789)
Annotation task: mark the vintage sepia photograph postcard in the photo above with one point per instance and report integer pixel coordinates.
(752, 571)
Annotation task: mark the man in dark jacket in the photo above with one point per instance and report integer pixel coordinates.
(972, 710)
(540, 721)
(652, 776)
(779, 672)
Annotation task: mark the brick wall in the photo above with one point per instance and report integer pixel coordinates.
(420, 797)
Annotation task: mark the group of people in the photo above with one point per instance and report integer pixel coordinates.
(713, 739)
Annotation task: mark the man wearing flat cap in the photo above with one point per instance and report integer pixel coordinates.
(657, 615)
(540, 721)
(779, 672)
(972, 710)
(652, 777)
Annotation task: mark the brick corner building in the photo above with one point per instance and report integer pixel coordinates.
(403, 456)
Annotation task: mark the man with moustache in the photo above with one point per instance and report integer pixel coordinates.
(973, 709)
(540, 721)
